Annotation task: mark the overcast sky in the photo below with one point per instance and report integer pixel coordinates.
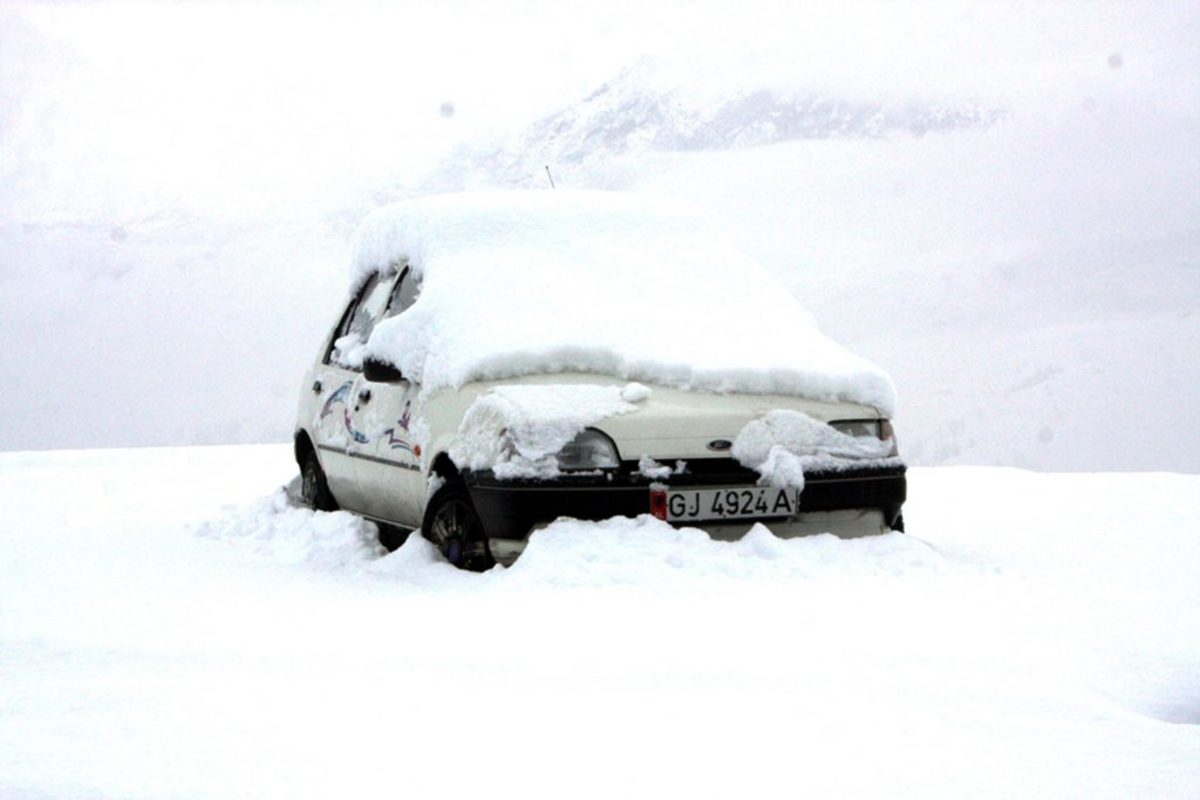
(178, 182)
(124, 109)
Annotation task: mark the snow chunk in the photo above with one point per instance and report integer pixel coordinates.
(783, 443)
(517, 430)
(518, 283)
(653, 470)
(635, 392)
(349, 350)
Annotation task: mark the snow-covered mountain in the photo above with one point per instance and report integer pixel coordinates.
(636, 112)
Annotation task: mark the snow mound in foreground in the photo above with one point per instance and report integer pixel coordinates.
(275, 527)
(519, 283)
(648, 551)
(569, 553)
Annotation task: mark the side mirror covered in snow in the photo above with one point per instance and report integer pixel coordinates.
(379, 372)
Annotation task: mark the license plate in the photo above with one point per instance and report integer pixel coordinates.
(742, 502)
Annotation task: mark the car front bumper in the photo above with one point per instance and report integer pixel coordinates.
(510, 510)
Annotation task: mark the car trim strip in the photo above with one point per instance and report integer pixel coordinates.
(365, 457)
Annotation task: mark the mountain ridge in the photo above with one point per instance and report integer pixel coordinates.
(630, 114)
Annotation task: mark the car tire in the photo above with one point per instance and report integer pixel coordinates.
(314, 489)
(392, 537)
(453, 526)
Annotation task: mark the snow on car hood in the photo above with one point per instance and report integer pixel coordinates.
(781, 445)
(517, 430)
(519, 283)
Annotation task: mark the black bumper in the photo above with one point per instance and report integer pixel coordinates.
(510, 509)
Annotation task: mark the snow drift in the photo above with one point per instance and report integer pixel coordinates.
(276, 652)
(518, 283)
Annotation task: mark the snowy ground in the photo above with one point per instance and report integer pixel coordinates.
(168, 628)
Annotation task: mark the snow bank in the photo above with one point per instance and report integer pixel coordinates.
(781, 444)
(648, 552)
(275, 527)
(517, 430)
(517, 283)
(1038, 652)
(620, 551)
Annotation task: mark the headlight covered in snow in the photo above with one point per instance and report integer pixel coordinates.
(878, 428)
(591, 449)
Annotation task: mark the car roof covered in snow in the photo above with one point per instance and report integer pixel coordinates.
(629, 285)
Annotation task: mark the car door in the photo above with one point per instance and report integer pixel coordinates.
(339, 428)
(391, 469)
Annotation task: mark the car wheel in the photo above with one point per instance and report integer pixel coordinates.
(314, 490)
(392, 537)
(455, 529)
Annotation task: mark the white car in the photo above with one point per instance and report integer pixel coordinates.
(494, 369)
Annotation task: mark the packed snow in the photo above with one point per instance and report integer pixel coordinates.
(653, 470)
(172, 627)
(516, 431)
(782, 443)
(638, 287)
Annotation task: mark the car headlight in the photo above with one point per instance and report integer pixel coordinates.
(875, 428)
(591, 449)
(857, 427)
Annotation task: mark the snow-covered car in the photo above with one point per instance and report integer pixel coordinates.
(505, 359)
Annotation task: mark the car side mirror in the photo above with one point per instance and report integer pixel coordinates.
(379, 372)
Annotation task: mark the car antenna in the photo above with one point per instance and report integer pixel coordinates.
(551, 177)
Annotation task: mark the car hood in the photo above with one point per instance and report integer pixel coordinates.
(676, 424)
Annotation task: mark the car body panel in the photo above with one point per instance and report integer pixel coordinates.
(335, 433)
(515, 507)
(668, 425)
(389, 466)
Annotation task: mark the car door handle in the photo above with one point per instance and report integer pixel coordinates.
(364, 396)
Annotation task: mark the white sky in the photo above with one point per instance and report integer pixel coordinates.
(189, 173)
(128, 109)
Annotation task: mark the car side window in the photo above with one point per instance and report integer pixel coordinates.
(352, 335)
(347, 315)
(404, 294)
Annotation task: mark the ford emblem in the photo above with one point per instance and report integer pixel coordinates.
(720, 444)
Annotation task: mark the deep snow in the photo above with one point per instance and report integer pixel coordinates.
(613, 283)
(171, 627)
(176, 204)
